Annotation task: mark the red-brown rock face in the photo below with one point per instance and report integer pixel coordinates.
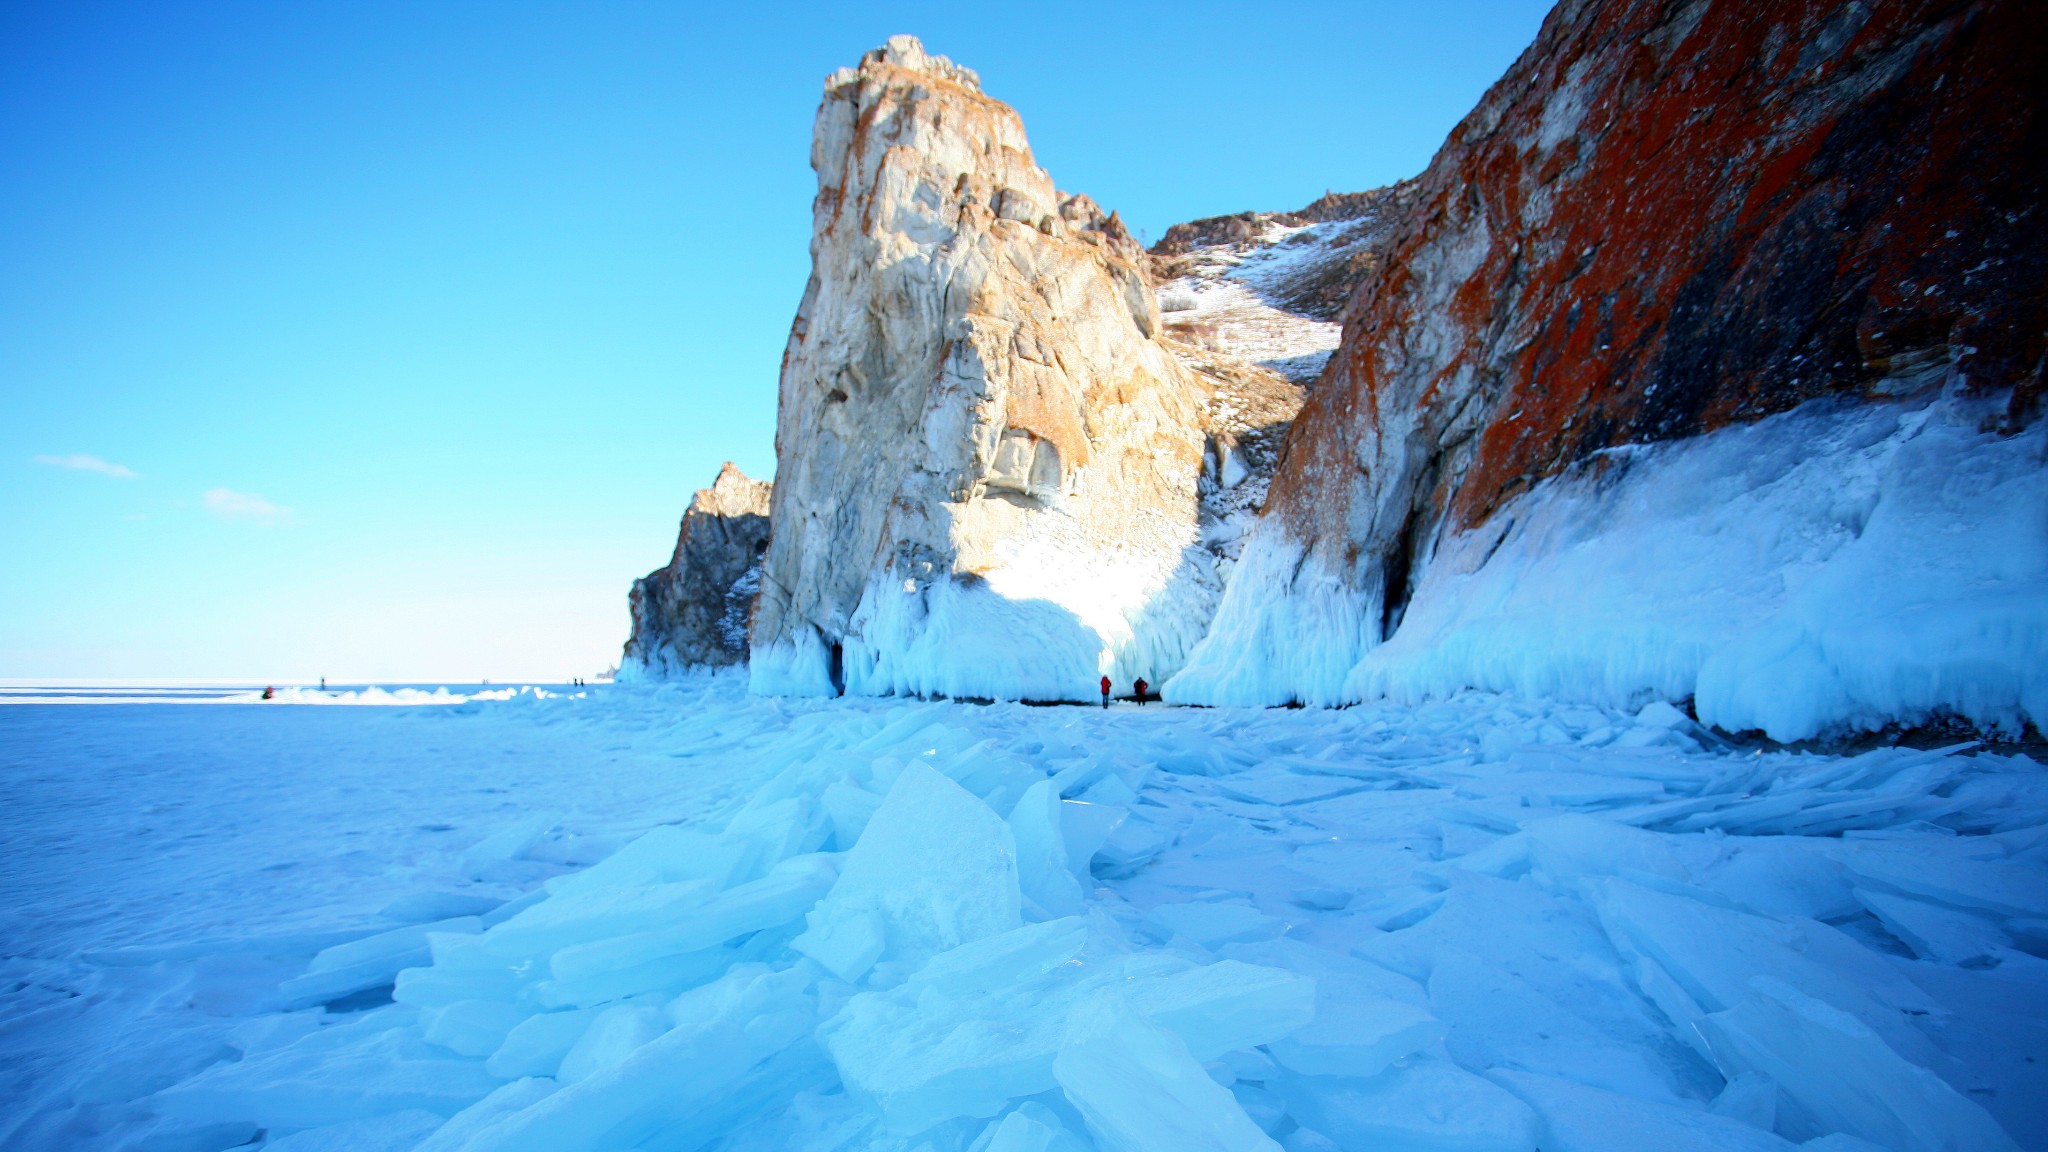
(1667, 217)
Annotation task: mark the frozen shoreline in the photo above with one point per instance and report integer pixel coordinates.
(1550, 915)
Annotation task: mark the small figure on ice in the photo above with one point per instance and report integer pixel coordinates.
(267, 693)
(1141, 686)
(1105, 691)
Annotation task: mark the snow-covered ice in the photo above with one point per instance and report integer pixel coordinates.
(678, 916)
(1841, 566)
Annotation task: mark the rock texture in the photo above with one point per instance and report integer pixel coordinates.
(1335, 245)
(1666, 218)
(694, 612)
(989, 460)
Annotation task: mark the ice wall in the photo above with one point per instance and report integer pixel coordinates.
(1837, 567)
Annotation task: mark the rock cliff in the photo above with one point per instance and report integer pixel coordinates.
(1667, 218)
(694, 611)
(989, 458)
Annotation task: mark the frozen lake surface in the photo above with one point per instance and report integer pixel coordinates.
(683, 917)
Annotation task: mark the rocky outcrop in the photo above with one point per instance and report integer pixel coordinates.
(989, 460)
(693, 612)
(1668, 217)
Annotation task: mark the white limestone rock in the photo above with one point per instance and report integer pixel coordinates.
(988, 459)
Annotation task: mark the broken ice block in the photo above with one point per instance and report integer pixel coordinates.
(1337, 976)
(1932, 931)
(371, 1066)
(1577, 1118)
(734, 1045)
(509, 843)
(785, 893)
(850, 809)
(536, 1045)
(981, 1025)
(665, 974)
(371, 962)
(1226, 1006)
(1711, 953)
(777, 830)
(975, 1029)
(1357, 1038)
(1031, 1128)
(594, 913)
(391, 1132)
(461, 1128)
(1139, 1089)
(1578, 845)
(1043, 871)
(1131, 846)
(935, 869)
(614, 1035)
(2001, 887)
(420, 907)
(664, 855)
(1498, 1019)
(1420, 1105)
(472, 1028)
(1836, 1075)
(1087, 827)
(1750, 1098)
(1212, 924)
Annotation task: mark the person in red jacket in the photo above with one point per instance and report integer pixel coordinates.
(1105, 691)
(1140, 686)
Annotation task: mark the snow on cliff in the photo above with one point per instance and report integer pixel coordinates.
(1269, 287)
(988, 460)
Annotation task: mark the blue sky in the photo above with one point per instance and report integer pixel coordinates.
(388, 341)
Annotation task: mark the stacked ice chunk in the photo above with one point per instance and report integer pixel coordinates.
(875, 950)
(1485, 926)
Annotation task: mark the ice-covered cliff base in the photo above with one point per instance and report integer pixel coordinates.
(1478, 925)
(1841, 566)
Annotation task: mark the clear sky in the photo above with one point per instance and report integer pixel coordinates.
(388, 340)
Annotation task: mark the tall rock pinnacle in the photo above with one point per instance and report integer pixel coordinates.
(987, 457)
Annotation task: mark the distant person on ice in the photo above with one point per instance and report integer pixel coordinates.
(1140, 686)
(1105, 691)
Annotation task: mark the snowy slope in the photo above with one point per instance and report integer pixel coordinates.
(1270, 287)
(1227, 298)
(1221, 313)
(1481, 923)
